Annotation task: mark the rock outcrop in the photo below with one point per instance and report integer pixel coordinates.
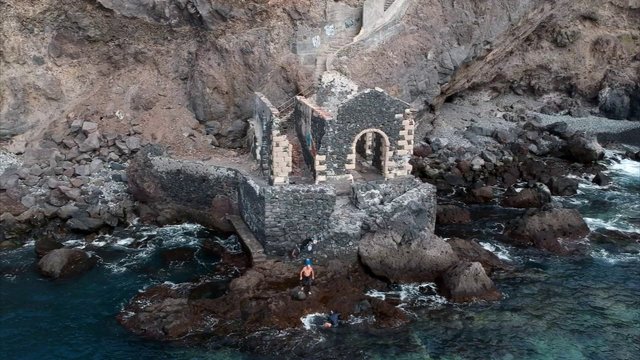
(544, 228)
(62, 263)
(406, 258)
(467, 281)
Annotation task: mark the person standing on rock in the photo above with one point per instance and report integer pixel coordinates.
(307, 275)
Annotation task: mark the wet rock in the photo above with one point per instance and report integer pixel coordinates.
(178, 255)
(83, 223)
(46, 245)
(467, 281)
(601, 179)
(563, 186)
(480, 195)
(533, 197)
(471, 251)
(62, 263)
(543, 228)
(452, 214)
(408, 258)
(8, 245)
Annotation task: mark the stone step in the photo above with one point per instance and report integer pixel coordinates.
(248, 240)
(388, 3)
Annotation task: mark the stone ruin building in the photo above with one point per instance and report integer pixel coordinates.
(342, 134)
(330, 165)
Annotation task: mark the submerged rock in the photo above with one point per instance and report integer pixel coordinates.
(62, 263)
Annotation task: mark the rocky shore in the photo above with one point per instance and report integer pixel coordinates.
(516, 105)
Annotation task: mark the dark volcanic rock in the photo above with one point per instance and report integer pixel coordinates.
(452, 214)
(471, 251)
(543, 229)
(178, 254)
(259, 299)
(84, 224)
(467, 281)
(45, 246)
(583, 149)
(533, 197)
(601, 179)
(61, 263)
(563, 186)
(614, 103)
(422, 257)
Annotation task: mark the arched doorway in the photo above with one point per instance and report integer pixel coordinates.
(369, 153)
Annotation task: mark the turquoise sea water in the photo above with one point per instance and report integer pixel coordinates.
(579, 307)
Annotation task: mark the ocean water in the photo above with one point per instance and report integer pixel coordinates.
(579, 307)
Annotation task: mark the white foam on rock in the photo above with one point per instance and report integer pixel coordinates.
(412, 294)
(499, 250)
(310, 321)
(610, 258)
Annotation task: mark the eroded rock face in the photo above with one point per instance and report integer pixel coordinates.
(410, 258)
(62, 263)
(467, 281)
(543, 229)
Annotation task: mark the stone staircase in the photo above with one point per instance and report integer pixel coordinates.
(248, 240)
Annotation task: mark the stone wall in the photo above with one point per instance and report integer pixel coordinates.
(310, 123)
(295, 213)
(264, 116)
(252, 206)
(271, 148)
(371, 110)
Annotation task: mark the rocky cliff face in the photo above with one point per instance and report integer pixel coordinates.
(168, 62)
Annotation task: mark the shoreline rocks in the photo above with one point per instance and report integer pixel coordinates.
(64, 263)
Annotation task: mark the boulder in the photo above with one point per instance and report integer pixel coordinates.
(45, 246)
(563, 186)
(452, 214)
(467, 281)
(543, 228)
(62, 263)
(601, 179)
(409, 258)
(583, 149)
(471, 251)
(480, 195)
(533, 197)
(83, 223)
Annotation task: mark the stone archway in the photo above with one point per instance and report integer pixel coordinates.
(369, 154)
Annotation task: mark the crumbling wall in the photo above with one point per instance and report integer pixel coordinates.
(310, 122)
